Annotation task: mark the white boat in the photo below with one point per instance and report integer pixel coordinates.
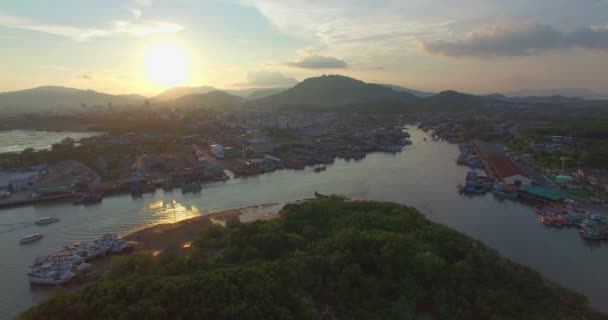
(47, 220)
(61, 267)
(52, 277)
(30, 238)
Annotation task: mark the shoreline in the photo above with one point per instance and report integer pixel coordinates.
(172, 238)
(176, 237)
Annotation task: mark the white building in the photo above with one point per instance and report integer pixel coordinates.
(20, 180)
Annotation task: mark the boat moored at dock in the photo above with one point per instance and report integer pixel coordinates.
(88, 198)
(63, 266)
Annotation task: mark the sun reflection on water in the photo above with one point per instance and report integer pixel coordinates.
(171, 211)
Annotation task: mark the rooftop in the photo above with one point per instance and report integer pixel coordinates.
(504, 167)
(541, 192)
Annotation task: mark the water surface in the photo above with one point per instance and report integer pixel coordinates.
(424, 176)
(19, 140)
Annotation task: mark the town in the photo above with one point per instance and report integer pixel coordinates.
(566, 196)
(236, 145)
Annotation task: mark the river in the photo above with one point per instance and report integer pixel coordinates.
(423, 175)
(19, 140)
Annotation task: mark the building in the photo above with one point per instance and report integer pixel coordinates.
(500, 165)
(507, 171)
(20, 180)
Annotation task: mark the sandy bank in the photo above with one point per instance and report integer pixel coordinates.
(177, 236)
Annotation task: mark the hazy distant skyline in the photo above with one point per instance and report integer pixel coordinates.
(471, 45)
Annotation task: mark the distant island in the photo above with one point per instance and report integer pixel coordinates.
(324, 259)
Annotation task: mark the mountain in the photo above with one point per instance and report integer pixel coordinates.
(213, 99)
(177, 92)
(497, 96)
(256, 93)
(334, 90)
(564, 92)
(455, 98)
(419, 94)
(263, 93)
(58, 99)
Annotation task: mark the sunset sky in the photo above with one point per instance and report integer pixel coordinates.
(145, 46)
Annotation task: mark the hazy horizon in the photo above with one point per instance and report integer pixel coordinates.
(147, 46)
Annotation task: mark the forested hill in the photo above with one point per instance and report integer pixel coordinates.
(333, 90)
(326, 259)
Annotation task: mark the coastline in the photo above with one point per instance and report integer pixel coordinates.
(176, 237)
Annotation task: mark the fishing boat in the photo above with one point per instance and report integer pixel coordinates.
(88, 198)
(31, 238)
(471, 189)
(319, 169)
(191, 187)
(47, 220)
(505, 194)
(320, 195)
(50, 277)
(545, 220)
(61, 267)
(547, 210)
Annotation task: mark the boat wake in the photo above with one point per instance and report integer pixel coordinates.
(14, 227)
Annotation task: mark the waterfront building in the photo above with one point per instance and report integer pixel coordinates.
(500, 165)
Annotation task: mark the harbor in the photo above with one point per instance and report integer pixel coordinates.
(492, 170)
(63, 266)
(424, 175)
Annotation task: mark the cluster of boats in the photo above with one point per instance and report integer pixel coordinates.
(63, 266)
(476, 184)
(592, 226)
(595, 227)
(88, 198)
(503, 191)
(468, 156)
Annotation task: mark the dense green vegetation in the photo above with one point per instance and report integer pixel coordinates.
(326, 259)
(589, 128)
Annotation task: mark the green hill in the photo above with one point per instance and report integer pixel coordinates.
(178, 92)
(417, 93)
(61, 99)
(333, 91)
(324, 259)
(263, 93)
(213, 99)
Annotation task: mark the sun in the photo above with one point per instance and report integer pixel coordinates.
(167, 63)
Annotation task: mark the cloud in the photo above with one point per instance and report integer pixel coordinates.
(146, 28)
(143, 3)
(264, 78)
(343, 22)
(318, 62)
(137, 29)
(523, 40)
(83, 76)
(136, 13)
